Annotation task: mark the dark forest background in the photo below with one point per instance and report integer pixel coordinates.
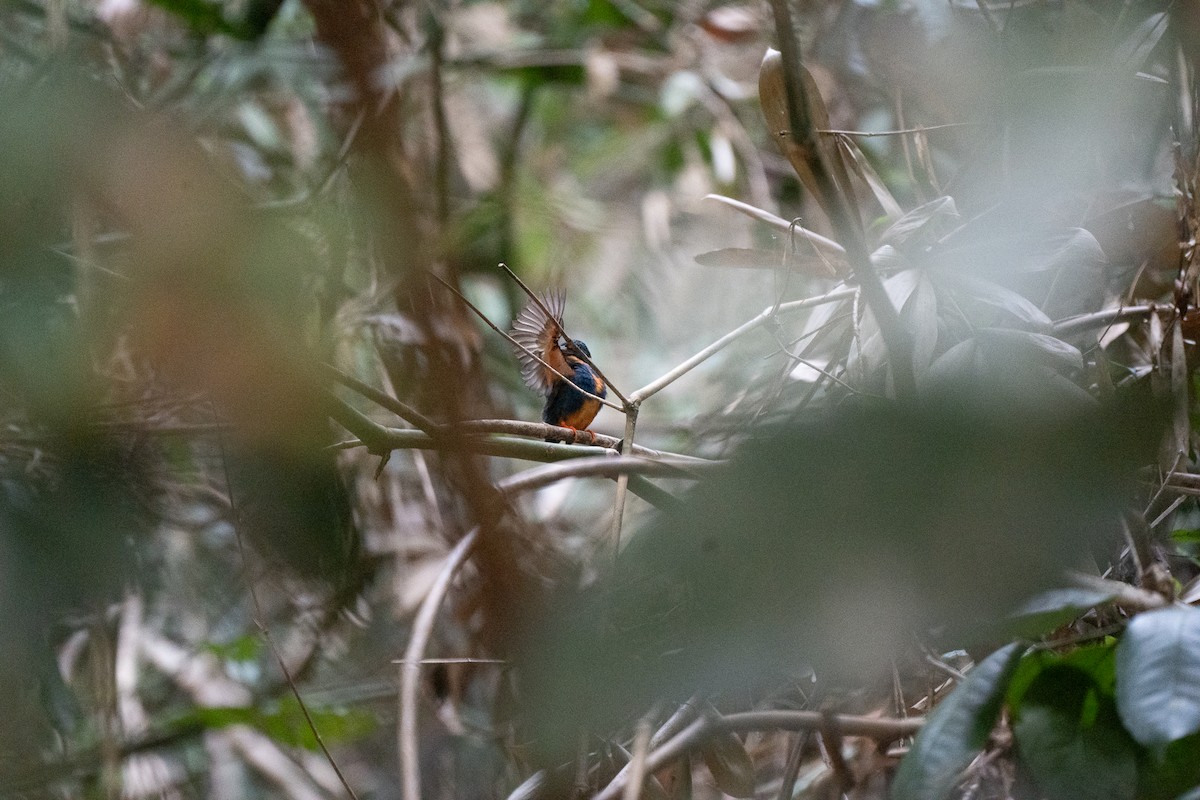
(894, 494)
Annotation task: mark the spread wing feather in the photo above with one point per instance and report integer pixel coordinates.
(539, 333)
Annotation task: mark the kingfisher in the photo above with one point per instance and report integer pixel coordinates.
(566, 406)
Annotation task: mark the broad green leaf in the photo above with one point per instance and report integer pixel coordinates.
(957, 730)
(243, 648)
(1070, 738)
(288, 724)
(1158, 675)
(1170, 772)
(221, 716)
(1097, 661)
(1052, 609)
(1186, 536)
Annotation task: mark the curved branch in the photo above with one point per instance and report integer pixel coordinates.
(602, 466)
(410, 670)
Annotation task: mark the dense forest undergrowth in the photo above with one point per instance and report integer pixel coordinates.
(891, 331)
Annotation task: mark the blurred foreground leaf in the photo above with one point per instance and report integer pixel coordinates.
(828, 539)
(957, 729)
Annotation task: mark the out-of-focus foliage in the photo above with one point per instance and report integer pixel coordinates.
(961, 370)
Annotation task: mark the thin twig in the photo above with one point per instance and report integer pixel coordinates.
(791, 769)
(410, 669)
(780, 223)
(903, 132)
(379, 439)
(384, 400)
(879, 728)
(637, 763)
(658, 758)
(1100, 319)
(631, 416)
(596, 466)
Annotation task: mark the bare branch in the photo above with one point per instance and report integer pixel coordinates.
(410, 669)
(687, 366)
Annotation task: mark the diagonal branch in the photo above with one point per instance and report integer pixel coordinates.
(657, 385)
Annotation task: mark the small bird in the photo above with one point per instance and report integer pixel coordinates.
(566, 406)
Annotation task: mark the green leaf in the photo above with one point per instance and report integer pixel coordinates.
(1070, 738)
(243, 648)
(221, 716)
(203, 17)
(287, 724)
(1097, 660)
(1055, 608)
(957, 730)
(1170, 772)
(1158, 675)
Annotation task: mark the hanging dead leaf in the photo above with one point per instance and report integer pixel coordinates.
(806, 159)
